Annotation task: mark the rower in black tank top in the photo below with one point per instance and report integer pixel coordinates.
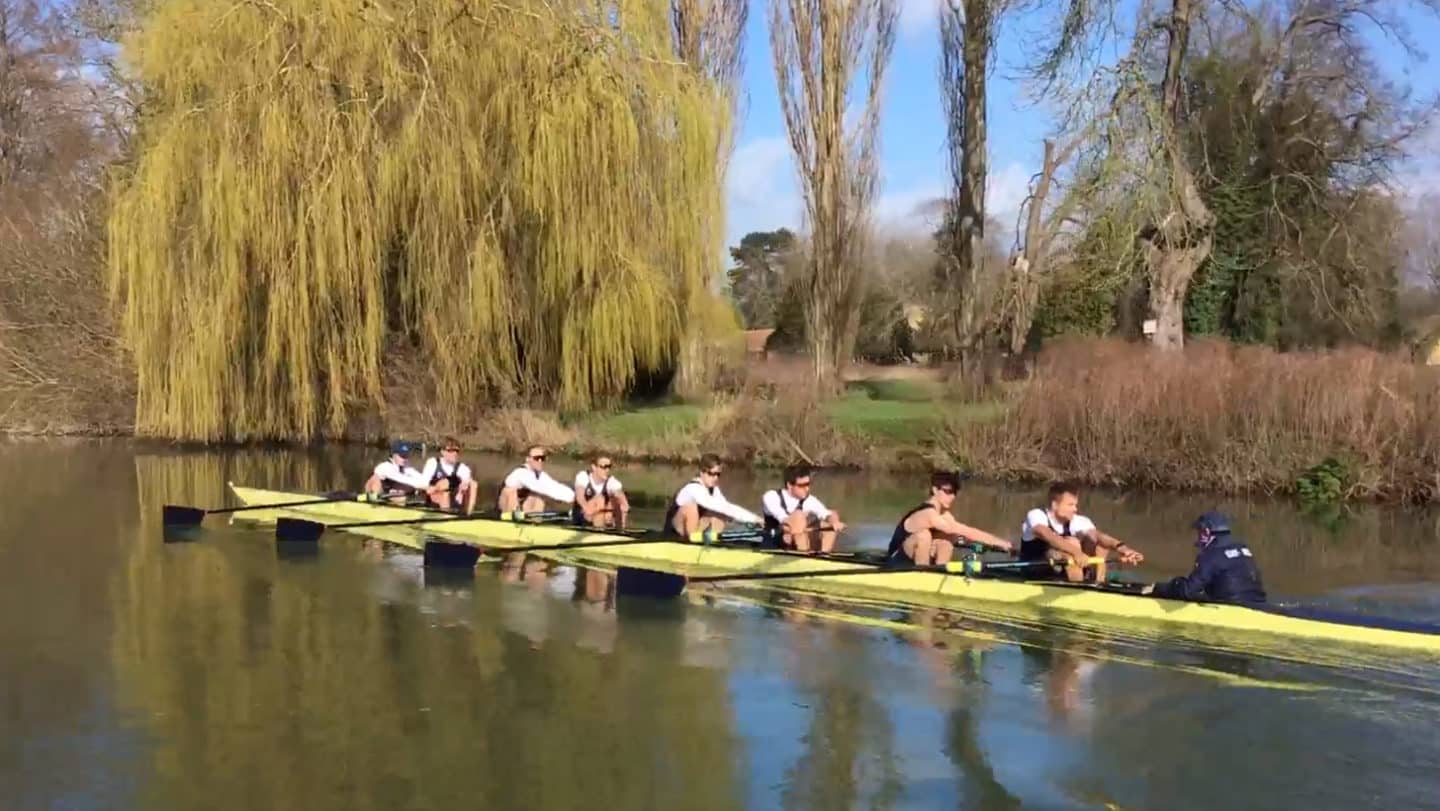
(896, 556)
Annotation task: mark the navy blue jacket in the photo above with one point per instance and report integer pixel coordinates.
(1225, 571)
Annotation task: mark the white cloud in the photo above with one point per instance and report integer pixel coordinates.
(908, 208)
(761, 194)
(919, 17)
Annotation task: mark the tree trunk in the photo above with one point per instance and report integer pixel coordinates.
(966, 37)
(1176, 247)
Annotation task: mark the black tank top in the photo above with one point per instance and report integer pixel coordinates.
(453, 477)
(770, 522)
(896, 553)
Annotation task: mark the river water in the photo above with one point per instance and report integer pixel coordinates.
(217, 674)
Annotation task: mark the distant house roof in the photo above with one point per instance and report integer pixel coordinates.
(755, 340)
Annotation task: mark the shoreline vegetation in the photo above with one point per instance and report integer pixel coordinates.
(1343, 425)
(505, 222)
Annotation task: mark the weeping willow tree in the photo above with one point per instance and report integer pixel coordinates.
(709, 35)
(521, 194)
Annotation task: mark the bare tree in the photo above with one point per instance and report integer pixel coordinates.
(822, 49)
(967, 40)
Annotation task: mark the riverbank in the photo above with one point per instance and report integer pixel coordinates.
(1331, 426)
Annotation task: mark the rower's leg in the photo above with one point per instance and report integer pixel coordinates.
(441, 497)
(944, 550)
(1090, 548)
(918, 546)
(826, 536)
(797, 532)
(469, 492)
(372, 485)
(714, 523)
(533, 504)
(686, 521)
(509, 500)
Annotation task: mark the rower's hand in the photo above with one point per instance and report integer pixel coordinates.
(837, 525)
(1005, 546)
(1131, 557)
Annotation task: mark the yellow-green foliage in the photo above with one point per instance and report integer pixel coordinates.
(526, 192)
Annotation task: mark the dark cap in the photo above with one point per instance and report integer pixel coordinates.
(1217, 523)
(400, 448)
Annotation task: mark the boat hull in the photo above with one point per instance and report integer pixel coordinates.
(1048, 602)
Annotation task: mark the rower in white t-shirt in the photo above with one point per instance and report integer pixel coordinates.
(796, 519)
(528, 487)
(1061, 533)
(394, 478)
(700, 505)
(599, 497)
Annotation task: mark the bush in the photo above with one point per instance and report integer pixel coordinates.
(1219, 417)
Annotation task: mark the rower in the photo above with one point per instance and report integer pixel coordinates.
(928, 534)
(528, 486)
(1225, 569)
(394, 478)
(450, 482)
(797, 519)
(700, 505)
(599, 496)
(1062, 534)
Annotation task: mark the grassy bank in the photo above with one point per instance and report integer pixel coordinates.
(1351, 424)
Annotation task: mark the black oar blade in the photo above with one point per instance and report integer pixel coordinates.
(297, 530)
(179, 516)
(648, 583)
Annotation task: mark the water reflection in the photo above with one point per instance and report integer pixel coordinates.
(221, 674)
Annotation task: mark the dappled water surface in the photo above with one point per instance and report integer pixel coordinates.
(217, 674)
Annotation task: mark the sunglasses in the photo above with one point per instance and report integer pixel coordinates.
(605, 466)
(538, 457)
(949, 491)
(805, 483)
(712, 473)
(451, 450)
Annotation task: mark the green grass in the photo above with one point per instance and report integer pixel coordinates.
(901, 421)
(637, 425)
(902, 391)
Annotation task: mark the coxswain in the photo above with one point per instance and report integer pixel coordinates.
(394, 478)
(700, 505)
(927, 535)
(795, 518)
(451, 484)
(528, 487)
(1225, 569)
(599, 497)
(1060, 533)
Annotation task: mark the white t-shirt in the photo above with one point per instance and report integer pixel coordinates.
(1041, 518)
(462, 469)
(779, 505)
(610, 487)
(697, 494)
(406, 475)
(523, 478)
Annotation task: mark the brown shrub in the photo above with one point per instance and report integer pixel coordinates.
(1216, 417)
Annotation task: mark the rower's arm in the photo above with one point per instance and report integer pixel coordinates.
(949, 525)
(551, 489)
(723, 506)
(1058, 542)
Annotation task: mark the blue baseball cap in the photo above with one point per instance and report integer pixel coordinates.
(400, 448)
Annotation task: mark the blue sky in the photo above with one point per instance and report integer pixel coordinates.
(762, 192)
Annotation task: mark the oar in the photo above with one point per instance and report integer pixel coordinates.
(181, 516)
(298, 529)
(958, 567)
